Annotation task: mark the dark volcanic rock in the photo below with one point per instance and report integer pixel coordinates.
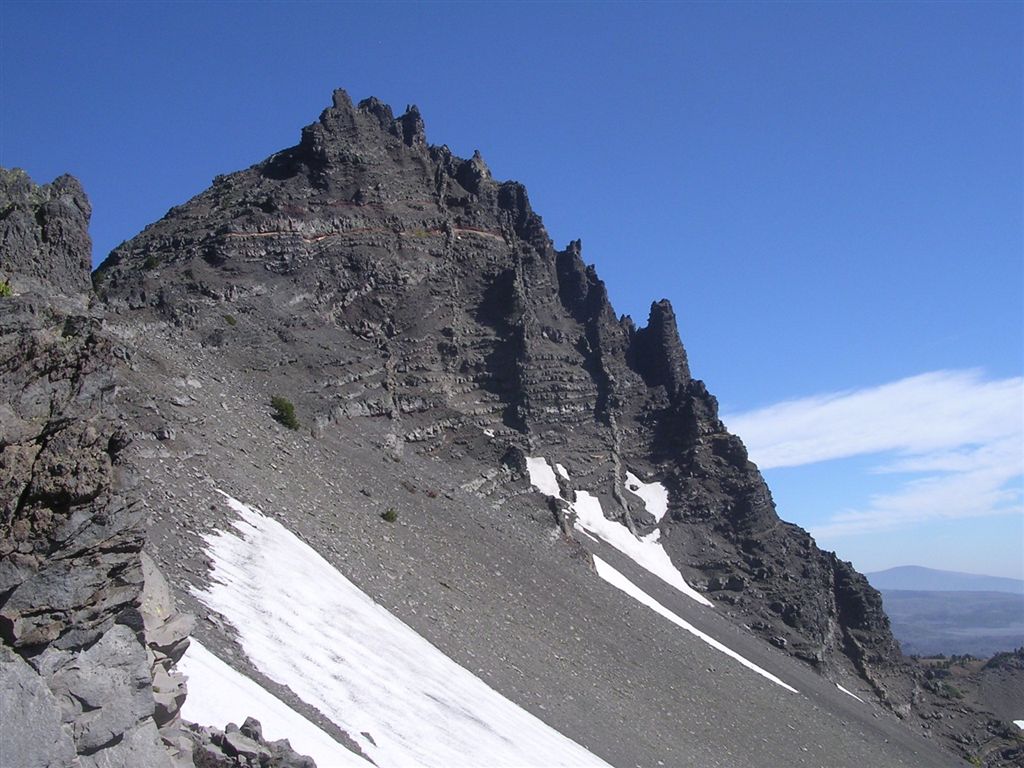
(446, 309)
(243, 747)
(430, 337)
(44, 233)
(70, 544)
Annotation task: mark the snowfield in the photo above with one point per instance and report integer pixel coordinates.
(646, 551)
(654, 495)
(218, 695)
(542, 476)
(304, 625)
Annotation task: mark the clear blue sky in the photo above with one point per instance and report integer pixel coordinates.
(830, 194)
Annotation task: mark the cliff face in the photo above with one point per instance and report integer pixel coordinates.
(44, 234)
(76, 665)
(431, 338)
(401, 281)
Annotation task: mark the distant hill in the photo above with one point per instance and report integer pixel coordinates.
(920, 579)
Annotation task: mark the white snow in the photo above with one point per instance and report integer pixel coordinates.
(218, 695)
(542, 477)
(849, 693)
(562, 471)
(654, 495)
(306, 626)
(1019, 724)
(646, 552)
(619, 581)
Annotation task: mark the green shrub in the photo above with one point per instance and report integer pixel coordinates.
(389, 515)
(5, 289)
(151, 262)
(230, 320)
(284, 411)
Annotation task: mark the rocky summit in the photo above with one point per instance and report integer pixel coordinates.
(348, 443)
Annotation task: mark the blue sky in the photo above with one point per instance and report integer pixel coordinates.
(830, 194)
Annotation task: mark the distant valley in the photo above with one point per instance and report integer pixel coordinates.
(944, 612)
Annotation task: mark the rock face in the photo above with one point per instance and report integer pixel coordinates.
(44, 234)
(429, 336)
(70, 542)
(244, 747)
(447, 310)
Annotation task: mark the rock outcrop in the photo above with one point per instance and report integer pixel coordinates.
(429, 336)
(77, 685)
(243, 747)
(44, 234)
(447, 309)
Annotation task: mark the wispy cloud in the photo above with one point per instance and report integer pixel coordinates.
(959, 437)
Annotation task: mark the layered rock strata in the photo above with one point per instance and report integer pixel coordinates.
(407, 283)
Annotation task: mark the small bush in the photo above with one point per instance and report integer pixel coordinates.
(284, 411)
(5, 289)
(151, 262)
(230, 320)
(389, 515)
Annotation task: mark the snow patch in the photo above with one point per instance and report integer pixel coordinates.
(646, 552)
(304, 625)
(218, 695)
(654, 495)
(1019, 724)
(562, 471)
(620, 582)
(542, 477)
(849, 693)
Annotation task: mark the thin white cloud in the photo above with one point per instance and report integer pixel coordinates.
(959, 436)
(978, 493)
(933, 411)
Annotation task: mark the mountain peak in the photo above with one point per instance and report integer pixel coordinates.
(440, 417)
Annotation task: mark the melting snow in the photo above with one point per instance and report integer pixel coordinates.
(542, 477)
(645, 552)
(1019, 724)
(849, 693)
(619, 581)
(562, 471)
(218, 695)
(654, 495)
(306, 626)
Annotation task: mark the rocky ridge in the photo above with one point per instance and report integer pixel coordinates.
(419, 317)
(89, 634)
(447, 310)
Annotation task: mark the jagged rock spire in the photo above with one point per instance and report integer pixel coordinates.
(44, 233)
(658, 352)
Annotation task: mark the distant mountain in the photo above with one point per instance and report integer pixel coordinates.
(920, 579)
